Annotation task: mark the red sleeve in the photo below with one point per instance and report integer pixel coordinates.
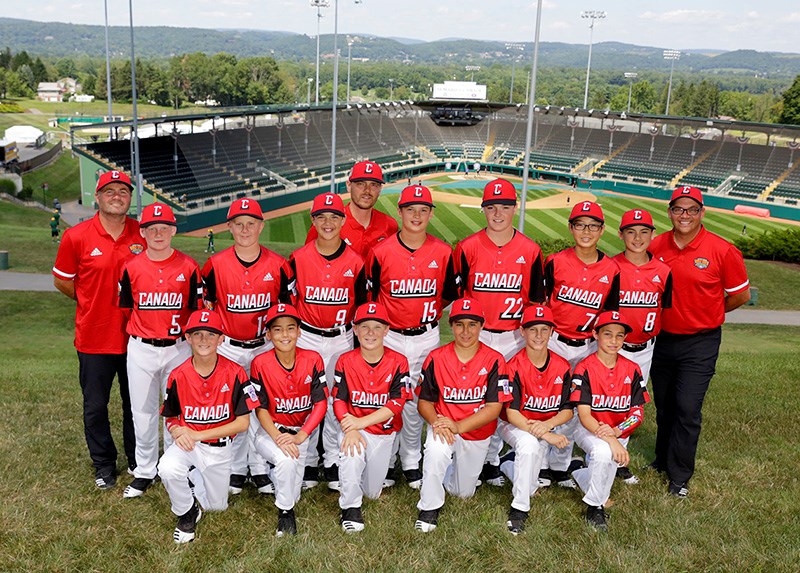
(734, 273)
(66, 265)
(339, 409)
(315, 417)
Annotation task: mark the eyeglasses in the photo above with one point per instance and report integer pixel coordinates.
(112, 192)
(693, 211)
(593, 227)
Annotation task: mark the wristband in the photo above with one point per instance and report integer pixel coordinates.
(628, 423)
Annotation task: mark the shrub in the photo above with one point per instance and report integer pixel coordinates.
(777, 245)
(7, 186)
(26, 193)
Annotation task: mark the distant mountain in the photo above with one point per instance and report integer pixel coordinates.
(57, 39)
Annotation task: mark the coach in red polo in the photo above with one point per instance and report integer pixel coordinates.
(364, 226)
(709, 279)
(87, 269)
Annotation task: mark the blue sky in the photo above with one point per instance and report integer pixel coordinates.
(770, 25)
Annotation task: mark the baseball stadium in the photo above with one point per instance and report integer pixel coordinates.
(743, 176)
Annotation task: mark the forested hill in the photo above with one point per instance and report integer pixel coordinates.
(56, 39)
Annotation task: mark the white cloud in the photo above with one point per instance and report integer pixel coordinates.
(753, 15)
(794, 17)
(683, 16)
(558, 25)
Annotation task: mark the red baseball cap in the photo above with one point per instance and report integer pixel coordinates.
(415, 195)
(366, 171)
(466, 308)
(157, 214)
(249, 207)
(204, 320)
(537, 314)
(587, 209)
(280, 309)
(327, 203)
(113, 177)
(687, 191)
(371, 311)
(612, 317)
(636, 217)
(499, 192)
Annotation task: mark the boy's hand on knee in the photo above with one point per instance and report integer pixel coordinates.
(444, 435)
(618, 452)
(538, 428)
(556, 440)
(353, 443)
(185, 442)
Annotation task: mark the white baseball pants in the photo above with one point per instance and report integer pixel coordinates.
(643, 358)
(287, 475)
(572, 354)
(454, 468)
(596, 479)
(210, 476)
(363, 474)
(524, 471)
(148, 368)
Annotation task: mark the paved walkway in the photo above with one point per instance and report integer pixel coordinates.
(44, 283)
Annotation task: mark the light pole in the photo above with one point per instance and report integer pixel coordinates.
(472, 69)
(319, 5)
(631, 76)
(591, 15)
(391, 89)
(108, 76)
(137, 177)
(335, 102)
(529, 128)
(513, 46)
(350, 42)
(672, 55)
(308, 92)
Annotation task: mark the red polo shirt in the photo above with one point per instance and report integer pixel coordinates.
(91, 258)
(703, 273)
(362, 239)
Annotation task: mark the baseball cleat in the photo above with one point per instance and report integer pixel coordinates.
(545, 478)
(263, 483)
(105, 480)
(596, 517)
(352, 521)
(427, 520)
(678, 490)
(563, 479)
(332, 477)
(627, 476)
(236, 484)
(491, 474)
(187, 523)
(413, 478)
(516, 521)
(131, 468)
(137, 487)
(287, 524)
(389, 480)
(310, 477)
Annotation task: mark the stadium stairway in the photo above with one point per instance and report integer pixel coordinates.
(605, 160)
(778, 180)
(685, 172)
(579, 167)
(487, 152)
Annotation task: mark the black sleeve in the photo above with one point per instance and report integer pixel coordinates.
(516, 393)
(288, 286)
(340, 390)
(548, 279)
(361, 287)
(566, 403)
(428, 389)
(398, 386)
(261, 390)
(583, 394)
(536, 293)
(374, 279)
(319, 390)
(195, 291)
(245, 397)
(450, 287)
(612, 299)
(638, 388)
(463, 275)
(666, 298)
(171, 408)
(495, 383)
(210, 284)
(125, 293)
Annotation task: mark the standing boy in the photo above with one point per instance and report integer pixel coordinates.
(531, 422)
(161, 288)
(412, 275)
(294, 397)
(207, 403)
(371, 387)
(462, 390)
(610, 394)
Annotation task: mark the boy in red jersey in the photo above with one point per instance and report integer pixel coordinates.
(462, 391)
(372, 385)
(645, 288)
(412, 274)
(610, 394)
(327, 283)
(294, 397)
(241, 283)
(161, 288)
(208, 401)
(530, 423)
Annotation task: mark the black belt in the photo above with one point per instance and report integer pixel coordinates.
(285, 430)
(327, 333)
(417, 330)
(493, 331)
(698, 333)
(573, 342)
(221, 443)
(635, 347)
(158, 342)
(248, 344)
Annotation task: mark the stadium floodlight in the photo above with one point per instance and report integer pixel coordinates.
(350, 41)
(308, 92)
(631, 76)
(391, 88)
(673, 55)
(335, 102)
(319, 5)
(513, 46)
(591, 15)
(137, 176)
(472, 69)
(108, 77)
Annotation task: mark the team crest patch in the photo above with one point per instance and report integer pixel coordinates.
(136, 248)
(701, 263)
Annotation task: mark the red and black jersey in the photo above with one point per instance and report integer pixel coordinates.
(458, 390)
(362, 239)
(162, 294)
(93, 260)
(289, 395)
(577, 292)
(205, 403)
(643, 292)
(412, 284)
(539, 393)
(704, 272)
(362, 388)
(503, 279)
(326, 290)
(616, 395)
(243, 292)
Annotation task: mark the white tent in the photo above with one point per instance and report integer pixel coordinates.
(24, 134)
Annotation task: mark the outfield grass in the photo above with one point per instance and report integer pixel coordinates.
(741, 514)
